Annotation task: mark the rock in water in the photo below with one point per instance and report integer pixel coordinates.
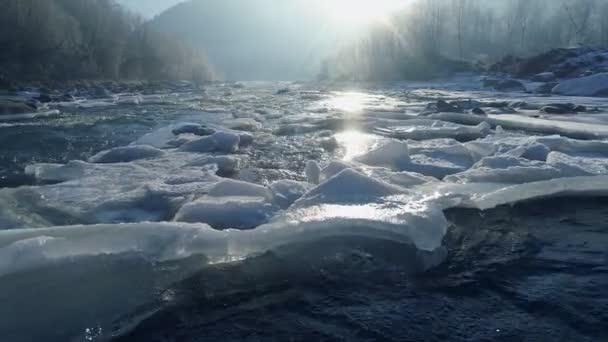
(442, 106)
(194, 129)
(478, 111)
(504, 84)
(563, 108)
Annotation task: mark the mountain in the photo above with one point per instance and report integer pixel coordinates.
(254, 39)
(88, 39)
(148, 8)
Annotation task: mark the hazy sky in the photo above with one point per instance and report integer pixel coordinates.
(149, 8)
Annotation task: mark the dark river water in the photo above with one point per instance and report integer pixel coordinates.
(536, 271)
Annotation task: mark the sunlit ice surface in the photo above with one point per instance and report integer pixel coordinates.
(392, 209)
(360, 13)
(350, 102)
(355, 143)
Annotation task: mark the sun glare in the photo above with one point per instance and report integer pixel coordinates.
(357, 13)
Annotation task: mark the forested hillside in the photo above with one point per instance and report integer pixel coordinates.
(88, 39)
(416, 42)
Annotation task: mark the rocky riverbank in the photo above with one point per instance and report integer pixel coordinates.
(581, 71)
(23, 101)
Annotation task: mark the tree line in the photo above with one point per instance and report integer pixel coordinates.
(88, 39)
(432, 35)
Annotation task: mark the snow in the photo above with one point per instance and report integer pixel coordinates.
(594, 85)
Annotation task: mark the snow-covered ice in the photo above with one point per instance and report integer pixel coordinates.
(594, 85)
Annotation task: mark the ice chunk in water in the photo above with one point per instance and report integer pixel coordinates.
(313, 172)
(573, 146)
(333, 168)
(348, 186)
(56, 172)
(226, 142)
(225, 164)
(231, 187)
(227, 212)
(243, 124)
(394, 155)
(285, 192)
(578, 165)
(126, 154)
(506, 169)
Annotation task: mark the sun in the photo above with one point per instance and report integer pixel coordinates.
(359, 13)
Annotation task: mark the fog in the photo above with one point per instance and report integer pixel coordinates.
(260, 39)
(286, 40)
(266, 39)
(416, 41)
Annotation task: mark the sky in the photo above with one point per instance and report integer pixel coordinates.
(148, 8)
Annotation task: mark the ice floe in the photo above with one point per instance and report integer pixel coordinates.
(341, 165)
(218, 142)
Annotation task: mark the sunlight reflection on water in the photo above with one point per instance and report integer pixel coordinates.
(355, 143)
(350, 102)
